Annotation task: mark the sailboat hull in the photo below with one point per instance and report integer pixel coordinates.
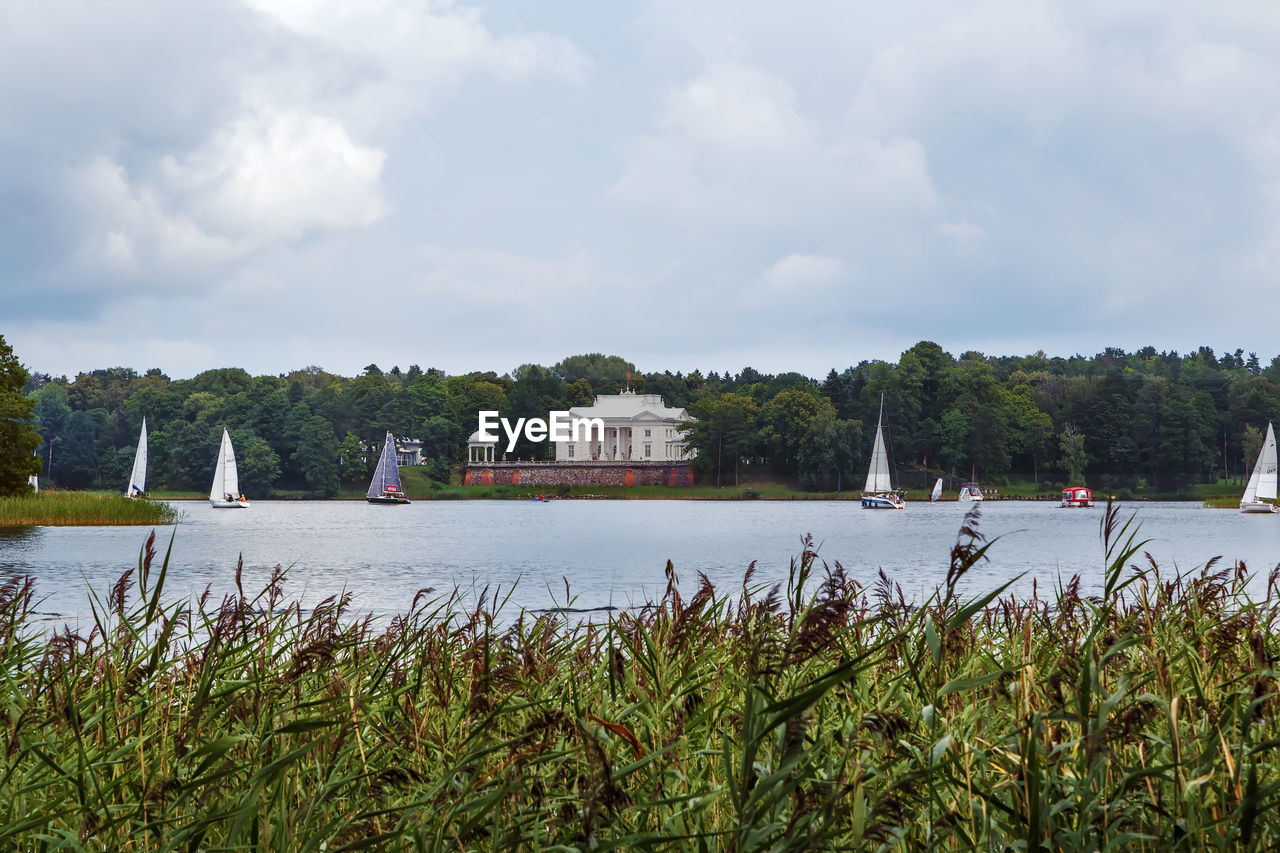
(883, 502)
(229, 504)
(387, 499)
(1257, 506)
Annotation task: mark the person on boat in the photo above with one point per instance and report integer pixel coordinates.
(227, 497)
(241, 499)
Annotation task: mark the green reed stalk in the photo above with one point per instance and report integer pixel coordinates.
(55, 508)
(816, 714)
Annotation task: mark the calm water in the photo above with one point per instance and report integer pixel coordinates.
(610, 552)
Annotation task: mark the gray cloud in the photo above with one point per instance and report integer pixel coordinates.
(252, 183)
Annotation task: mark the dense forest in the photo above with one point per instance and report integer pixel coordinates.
(1116, 420)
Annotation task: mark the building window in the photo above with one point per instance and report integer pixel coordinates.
(648, 450)
(571, 451)
(646, 433)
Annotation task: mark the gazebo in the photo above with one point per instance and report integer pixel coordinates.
(479, 450)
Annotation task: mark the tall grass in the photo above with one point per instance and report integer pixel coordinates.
(54, 508)
(816, 714)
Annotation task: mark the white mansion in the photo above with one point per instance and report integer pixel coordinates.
(637, 428)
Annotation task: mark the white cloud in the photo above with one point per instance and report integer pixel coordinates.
(419, 43)
(554, 178)
(733, 145)
(272, 177)
(262, 181)
(961, 232)
(800, 271)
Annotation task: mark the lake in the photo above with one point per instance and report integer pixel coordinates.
(609, 552)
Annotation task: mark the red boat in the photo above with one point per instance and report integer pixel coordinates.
(1077, 496)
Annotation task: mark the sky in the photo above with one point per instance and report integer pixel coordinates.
(275, 184)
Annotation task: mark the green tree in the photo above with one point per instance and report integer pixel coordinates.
(1186, 431)
(784, 421)
(818, 455)
(580, 393)
(441, 438)
(115, 465)
(1074, 459)
(76, 464)
(257, 464)
(316, 457)
(606, 373)
(52, 413)
(1250, 444)
(951, 439)
(849, 451)
(471, 394)
(19, 437)
(726, 429)
(353, 466)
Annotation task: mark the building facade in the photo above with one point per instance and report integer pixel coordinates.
(633, 441)
(637, 428)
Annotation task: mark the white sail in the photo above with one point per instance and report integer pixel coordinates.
(226, 479)
(138, 477)
(878, 472)
(937, 490)
(1267, 478)
(1262, 482)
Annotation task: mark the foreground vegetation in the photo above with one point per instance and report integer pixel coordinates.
(57, 508)
(815, 715)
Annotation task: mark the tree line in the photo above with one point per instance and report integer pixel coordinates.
(1116, 420)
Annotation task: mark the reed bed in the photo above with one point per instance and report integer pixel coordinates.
(817, 714)
(54, 508)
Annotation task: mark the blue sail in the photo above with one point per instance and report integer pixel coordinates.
(386, 478)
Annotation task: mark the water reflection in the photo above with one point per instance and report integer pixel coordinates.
(591, 555)
(16, 543)
(18, 534)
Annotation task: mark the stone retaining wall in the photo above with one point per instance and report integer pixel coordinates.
(581, 474)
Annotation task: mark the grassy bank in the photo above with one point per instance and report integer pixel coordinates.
(57, 508)
(816, 715)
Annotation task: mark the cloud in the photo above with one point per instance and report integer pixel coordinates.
(262, 181)
(961, 232)
(527, 181)
(801, 271)
(733, 145)
(411, 54)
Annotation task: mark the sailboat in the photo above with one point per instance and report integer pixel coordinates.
(138, 477)
(384, 488)
(225, 491)
(1262, 482)
(970, 491)
(937, 491)
(878, 492)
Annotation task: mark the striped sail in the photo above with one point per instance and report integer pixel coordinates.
(386, 477)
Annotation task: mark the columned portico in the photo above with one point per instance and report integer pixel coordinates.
(637, 428)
